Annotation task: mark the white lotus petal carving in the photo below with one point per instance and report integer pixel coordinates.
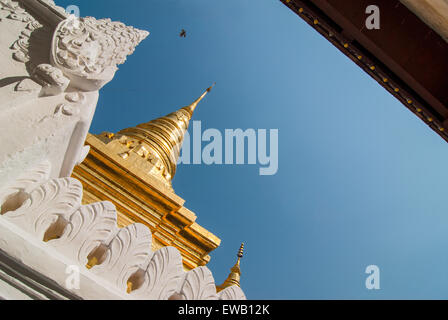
(127, 253)
(127, 250)
(163, 275)
(28, 181)
(232, 293)
(87, 228)
(46, 204)
(199, 285)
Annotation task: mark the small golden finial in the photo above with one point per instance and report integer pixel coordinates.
(241, 251)
(193, 106)
(235, 273)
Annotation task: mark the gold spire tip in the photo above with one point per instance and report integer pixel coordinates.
(211, 87)
(241, 251)
(193, 106)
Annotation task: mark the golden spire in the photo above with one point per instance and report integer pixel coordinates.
(235, 273)
(164, 137)
(193, 106)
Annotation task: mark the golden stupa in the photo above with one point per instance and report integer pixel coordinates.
(134, 169)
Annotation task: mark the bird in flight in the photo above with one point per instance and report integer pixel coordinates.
(183, 33)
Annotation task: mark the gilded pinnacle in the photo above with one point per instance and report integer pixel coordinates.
(163, 138)
(235, 272)
(241, 251)
(193, 106)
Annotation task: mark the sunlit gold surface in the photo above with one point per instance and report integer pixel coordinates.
(133, 170)
(160, 140)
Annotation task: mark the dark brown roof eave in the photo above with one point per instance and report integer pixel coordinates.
(424, 95)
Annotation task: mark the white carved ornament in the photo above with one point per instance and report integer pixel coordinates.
(90, 49)
(85, 56)
(232, 293)
(17, 13)
(52, 211)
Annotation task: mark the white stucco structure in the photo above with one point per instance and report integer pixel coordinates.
(53, 66)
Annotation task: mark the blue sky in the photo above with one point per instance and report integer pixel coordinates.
(361, 180)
